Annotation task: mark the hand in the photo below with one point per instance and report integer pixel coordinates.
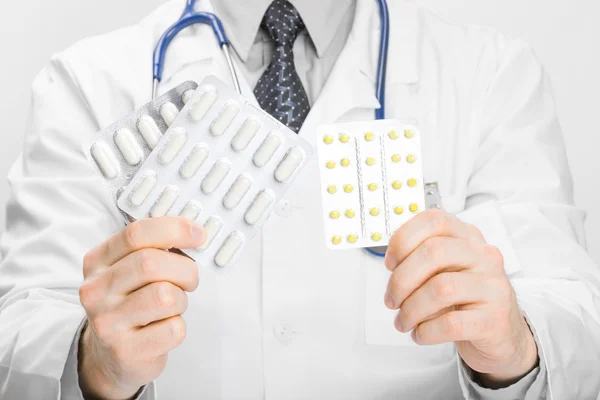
(134, 295)
(450, 286)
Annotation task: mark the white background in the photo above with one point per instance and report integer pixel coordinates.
(565, 34)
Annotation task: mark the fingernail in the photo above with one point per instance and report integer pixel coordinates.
(390, 262)
(198, 233)
(398, 323)
(415, 336)
(388, 300)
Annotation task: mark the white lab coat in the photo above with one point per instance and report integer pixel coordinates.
(295, 320)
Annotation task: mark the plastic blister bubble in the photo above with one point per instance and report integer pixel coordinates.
(118, 151)
(371, 180)
(223, 163)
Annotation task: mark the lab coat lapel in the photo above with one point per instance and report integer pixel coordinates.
(350, 85)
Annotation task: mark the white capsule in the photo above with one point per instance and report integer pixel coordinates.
(245, 135)
(105, 160)
(222, 122)
(165, 202)
(149, 130)
(216, 175)
(191, 211)
(237, 192)
(267, 149)
(187, 95)
(212, 227)
(194, 161)
(142, 190)
(129, 148)
(289, 165)
(169, 112)
(259, 207)
(173, 147)
(200, 109)
(229, 249)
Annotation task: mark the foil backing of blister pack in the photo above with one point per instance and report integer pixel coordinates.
(371, 180)
(119, 150)
(223, 163)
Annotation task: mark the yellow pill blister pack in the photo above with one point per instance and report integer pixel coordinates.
(224, 163)
(371, 180)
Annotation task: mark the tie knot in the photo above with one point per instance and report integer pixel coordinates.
(283, 23)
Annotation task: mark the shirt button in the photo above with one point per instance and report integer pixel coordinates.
(284, 208)
(283, 333)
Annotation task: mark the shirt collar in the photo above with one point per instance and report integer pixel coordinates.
(242, 19)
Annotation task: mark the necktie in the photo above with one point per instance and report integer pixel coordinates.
(279, 90)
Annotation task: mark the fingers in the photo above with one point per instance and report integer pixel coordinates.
(453, 326)
(143, 267)
(431, 223)
(159, 233)
(160, 337)
(154, 302)
(440, 293)
(434, 255)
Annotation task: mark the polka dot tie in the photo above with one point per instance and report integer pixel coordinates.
(279, 90)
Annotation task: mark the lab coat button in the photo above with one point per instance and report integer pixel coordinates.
(284, 208)
(283, 333)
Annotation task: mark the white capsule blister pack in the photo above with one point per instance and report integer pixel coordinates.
(371, 180)
(223, 163)
(118, 151)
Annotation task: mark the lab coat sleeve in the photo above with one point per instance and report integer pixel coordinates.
(57, 211)
(532, 386)
(522, 186)
(528, 388)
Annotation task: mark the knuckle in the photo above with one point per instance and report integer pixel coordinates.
(133, 233)
(183, 227)
(444, 287)
(146, 262)
(165, 295)
(451, 325)
(494, 256)
(473, 231)
(87, 295)
(397, 239)
(431, 248)
(505, 290)
(88, 263)
(440, 220)
(177, 329)
(102, 326)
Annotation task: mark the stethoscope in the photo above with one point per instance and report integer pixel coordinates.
(191, 17)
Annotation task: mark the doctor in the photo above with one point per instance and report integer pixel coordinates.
(501, 298)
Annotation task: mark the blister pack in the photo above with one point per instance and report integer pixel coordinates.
(371, 180)
(118, 151)
(223, 163)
